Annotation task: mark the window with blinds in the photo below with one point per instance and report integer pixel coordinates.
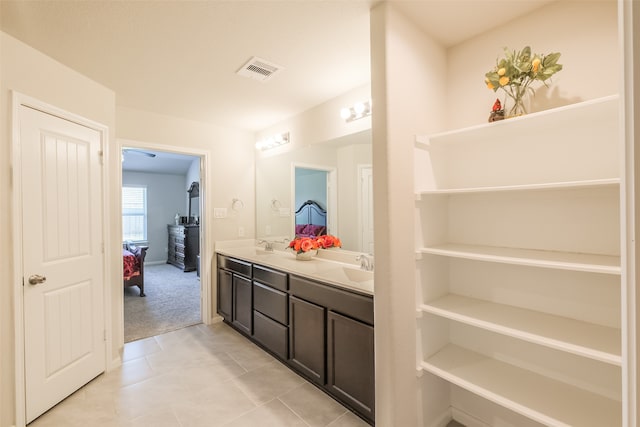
(134, 213)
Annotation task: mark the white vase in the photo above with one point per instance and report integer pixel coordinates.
(306, 256)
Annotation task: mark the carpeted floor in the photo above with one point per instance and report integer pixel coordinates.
(172, 302)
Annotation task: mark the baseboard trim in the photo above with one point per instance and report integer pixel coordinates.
(215, 319)
(443, 419)
(467, 419)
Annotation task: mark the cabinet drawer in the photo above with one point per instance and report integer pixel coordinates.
(273, 278)
(271, 334)
(350, 304)
(270, 302)
(241, 267)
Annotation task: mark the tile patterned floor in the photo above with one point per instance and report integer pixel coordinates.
(195, 377)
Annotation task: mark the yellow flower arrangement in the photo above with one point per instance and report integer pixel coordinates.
(517, 70)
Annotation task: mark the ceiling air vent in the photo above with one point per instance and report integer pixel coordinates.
(259, 69)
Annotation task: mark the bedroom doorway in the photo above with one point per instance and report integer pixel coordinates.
(318, 184)
(168, 221)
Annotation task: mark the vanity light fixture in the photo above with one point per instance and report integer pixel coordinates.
(273, 141)
(357, 111)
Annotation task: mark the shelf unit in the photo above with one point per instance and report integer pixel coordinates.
(518, 269)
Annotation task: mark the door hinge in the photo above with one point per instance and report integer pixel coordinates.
(104, 335)
(102, 247)
(101, 154)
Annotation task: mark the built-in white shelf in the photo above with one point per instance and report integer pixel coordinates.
(537, 397)
(541, 191)
(566, 144)
(581, 338)
(605, 264)
(569, 185)
(586, 113)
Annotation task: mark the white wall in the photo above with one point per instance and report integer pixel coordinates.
(29, 72)
(407, 69)
(584, 32)
(229, 166)
(414, 77)
(166, 196)
(322, 123)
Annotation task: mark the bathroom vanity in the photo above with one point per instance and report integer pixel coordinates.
(315, 316)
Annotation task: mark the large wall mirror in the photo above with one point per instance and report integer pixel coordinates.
(287, 179)
(194, 203)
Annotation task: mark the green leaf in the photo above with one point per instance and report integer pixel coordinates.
(551, 59)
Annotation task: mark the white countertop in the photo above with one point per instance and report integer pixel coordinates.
(320, 267)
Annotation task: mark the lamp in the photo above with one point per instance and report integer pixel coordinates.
(273, 141)
(357, 111)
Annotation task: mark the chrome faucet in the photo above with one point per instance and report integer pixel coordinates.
(366, 263)
(268, 246)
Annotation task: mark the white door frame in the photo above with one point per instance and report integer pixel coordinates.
(18, 100)
(205, 270)
(332, 195)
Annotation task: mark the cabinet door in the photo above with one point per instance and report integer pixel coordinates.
(242, 306)
(225, 286)
(350, 362)
(307, 338)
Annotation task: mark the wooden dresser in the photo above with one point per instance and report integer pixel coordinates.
(184, 246)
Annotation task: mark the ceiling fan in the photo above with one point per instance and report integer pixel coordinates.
(136, 151)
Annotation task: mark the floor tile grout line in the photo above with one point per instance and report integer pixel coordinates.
(294, 412)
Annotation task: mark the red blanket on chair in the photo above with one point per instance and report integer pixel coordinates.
(131, 266)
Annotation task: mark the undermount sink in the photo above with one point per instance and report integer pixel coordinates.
(356, 275)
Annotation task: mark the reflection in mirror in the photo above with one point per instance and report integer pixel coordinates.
(349, 208)
(194, 203)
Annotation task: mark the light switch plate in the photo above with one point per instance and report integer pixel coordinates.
(285, 212)
(219, 212)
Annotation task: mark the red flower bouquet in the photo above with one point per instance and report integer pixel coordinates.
(328, 241)
(305, 244)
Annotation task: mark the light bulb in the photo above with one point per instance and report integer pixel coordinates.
(345, 113)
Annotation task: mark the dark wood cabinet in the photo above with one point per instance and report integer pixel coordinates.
(323, 332)
(350, 362)
(307, 339)
(271, 310)
(234, 275)
(225, 293)
(183, 246)
(242, 311)
(338, 326)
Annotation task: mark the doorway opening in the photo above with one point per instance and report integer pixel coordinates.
(317, 184)
(161, 214)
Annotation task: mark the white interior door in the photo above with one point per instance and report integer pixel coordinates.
(366, 208)
(62, 258)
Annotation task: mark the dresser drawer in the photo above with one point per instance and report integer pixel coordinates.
(176, 230)
(271, 302)
(273, 278)
(237, 266)
(271, 334)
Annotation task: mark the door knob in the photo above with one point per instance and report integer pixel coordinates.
(36, 279)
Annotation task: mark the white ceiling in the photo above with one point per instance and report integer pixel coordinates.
(179, 57)
(135, 160)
